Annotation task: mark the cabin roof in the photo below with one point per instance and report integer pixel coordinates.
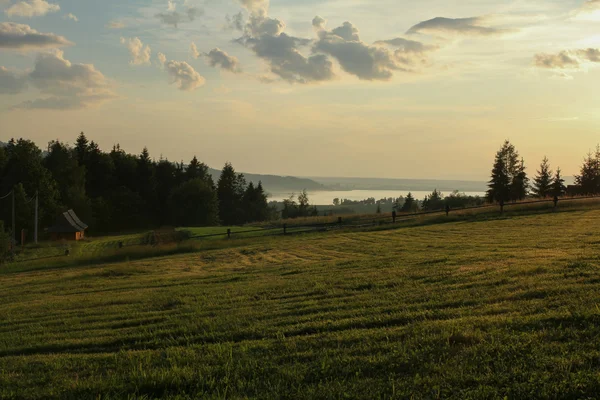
(68, 222)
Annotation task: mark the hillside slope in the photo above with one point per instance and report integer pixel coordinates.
(506, 307)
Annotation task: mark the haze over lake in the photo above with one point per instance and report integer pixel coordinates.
(326, 197)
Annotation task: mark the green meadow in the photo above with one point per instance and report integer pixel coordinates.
(498, 307)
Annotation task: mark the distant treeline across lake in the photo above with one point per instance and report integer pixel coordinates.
(325, 198)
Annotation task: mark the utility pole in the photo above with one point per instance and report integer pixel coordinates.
(35, 230)
(14, 233)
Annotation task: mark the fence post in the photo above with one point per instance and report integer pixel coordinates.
(340, 220)
(555, 201)
(394, 215)
(228, 233)
(501, 206)
(285, 229)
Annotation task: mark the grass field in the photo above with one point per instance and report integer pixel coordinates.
(470, 309)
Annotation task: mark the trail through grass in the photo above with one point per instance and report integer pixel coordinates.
(507, 307)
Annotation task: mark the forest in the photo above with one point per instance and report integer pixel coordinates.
(116, 191)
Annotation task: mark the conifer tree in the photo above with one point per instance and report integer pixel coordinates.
(409, 203)
(542, 183)
(558, 184)
(589, 178)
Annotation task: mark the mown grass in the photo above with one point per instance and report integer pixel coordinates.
(506, 307)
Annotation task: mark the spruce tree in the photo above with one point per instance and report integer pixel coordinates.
(589, 178)
(409, 203)
(558, 184)
(542, 183)
(499, 185)
(520, 183)
(230, 191)
(81, 148)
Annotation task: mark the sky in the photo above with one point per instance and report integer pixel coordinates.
(354, 88)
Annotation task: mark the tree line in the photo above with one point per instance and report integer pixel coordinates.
(116, 191)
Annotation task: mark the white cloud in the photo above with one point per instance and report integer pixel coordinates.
(182, 74)
(194, 50)
(174, 18)
(11, 82)
(115, 25)
(139, 53)
(72, 17)
(67, 85)
(23, 37)
(266, 38)
(31, 8)
(459, 26)
(567, 59)
(367, 62)
(218, 58)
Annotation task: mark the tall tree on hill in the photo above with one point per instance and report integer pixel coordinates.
(25, 166)
(194, 203)
(558, 184)
(70, 178)
(542, 183)
(509, 179)
(410, 204)
(520, 183)
(81, 148)
(230, 191)
(256, 208)
(589, 178)
(434, 201)
(196, 170)
(303, 204)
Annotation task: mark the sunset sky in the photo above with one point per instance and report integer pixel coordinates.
(386, 88)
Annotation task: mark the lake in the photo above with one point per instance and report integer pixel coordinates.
(326, 197)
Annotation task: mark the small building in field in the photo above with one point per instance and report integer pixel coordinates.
(68, 226)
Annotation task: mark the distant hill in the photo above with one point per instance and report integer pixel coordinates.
(400, 184)
(277, 184)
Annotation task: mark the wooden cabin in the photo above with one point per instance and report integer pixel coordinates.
(68, 226)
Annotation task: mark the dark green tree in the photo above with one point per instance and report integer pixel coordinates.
(196, 170)
(81, 148)
(520, 183)
(410, 204)
(542, 183)
(230, 191)
(558, 184)
(194, 203)
(434, 201)
(70, 179)
(25, 166)
(589, 178)
(303, 204)
(509, 179)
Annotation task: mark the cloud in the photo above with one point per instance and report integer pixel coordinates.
(407, 46)
(23, 37)
(367, 62)
(11, 82)
(567, 59)
(459, 26)
(266, 38)
(31, 8)
(218, 58)
(182, 74)
(319, 23)
(139, 53)
(67, 85)
(174, 18)
(194, 50)
(72, 17)
(236, 22)
(115, 25)
(590, 10)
